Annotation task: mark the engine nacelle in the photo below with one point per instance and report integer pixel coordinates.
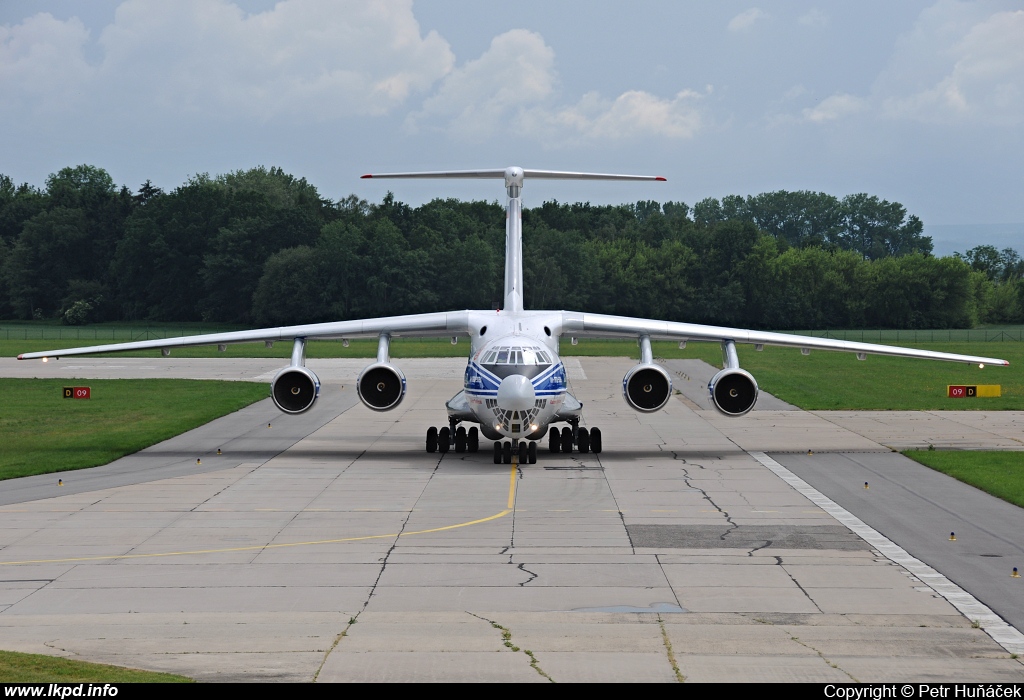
(381, 386)
(295, 389)
(647, 388)
(733, 391)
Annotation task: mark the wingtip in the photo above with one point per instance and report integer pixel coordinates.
(21, 357)
(365, 177)
(659, 178)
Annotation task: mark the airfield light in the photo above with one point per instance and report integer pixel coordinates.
(981, 365)
(952, 537)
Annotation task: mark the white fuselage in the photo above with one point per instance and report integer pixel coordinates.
(515, 382)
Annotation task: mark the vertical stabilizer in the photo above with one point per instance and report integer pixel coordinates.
(514, 212)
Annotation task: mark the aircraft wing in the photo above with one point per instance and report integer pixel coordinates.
(585, 325)
(435, 325)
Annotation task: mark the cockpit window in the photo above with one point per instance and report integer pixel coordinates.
(516, 356)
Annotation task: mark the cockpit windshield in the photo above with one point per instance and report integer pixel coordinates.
(516, 355)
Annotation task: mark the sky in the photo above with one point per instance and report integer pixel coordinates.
(920, 102)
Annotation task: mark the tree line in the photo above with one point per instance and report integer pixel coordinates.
(264, 247)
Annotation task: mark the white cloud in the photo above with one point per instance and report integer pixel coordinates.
(516, 72)
(512, 89)
(984, 84)
(834, 107)
(311, 59)
(746, 19)
(633, 114)
(42, 62)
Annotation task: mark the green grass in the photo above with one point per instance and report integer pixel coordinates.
(826, 380)
(998, 473)
(44, 432)
(16, 667)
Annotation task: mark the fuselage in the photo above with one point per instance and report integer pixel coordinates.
(515, 382)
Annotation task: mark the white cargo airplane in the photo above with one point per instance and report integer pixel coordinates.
(515, 385)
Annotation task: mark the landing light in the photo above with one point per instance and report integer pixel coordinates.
(46, 359)
(981, 365)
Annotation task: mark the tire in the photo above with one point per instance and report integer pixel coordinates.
(524, 453)
(567, 440)
(583, 440)
(473, 440)
(497, 453)
(460, 439)
(506, 452)
(595, 440)
(554, 440)
(444, 436)
(431, 440)
(532, 453)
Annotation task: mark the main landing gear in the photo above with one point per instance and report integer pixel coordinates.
(446, 438)
(585, 440)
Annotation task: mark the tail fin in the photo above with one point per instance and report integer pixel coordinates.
(513, 177)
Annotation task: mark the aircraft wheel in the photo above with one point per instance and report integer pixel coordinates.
(567, 440)
(431, 440)
(524, 452)
(532, 453)
(554, 440)
(497, 453)
(460, 439)
(583, 440)
(595, 440)
(506, 452)
(473, 440)
(444, 436)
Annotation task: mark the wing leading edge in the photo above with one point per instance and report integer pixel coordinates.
(585, 325)
(435, 325)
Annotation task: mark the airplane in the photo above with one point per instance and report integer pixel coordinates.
(515, 385)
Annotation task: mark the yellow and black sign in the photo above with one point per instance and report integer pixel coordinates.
(970, 391)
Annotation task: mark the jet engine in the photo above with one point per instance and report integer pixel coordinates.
(647, 388)
(733, 391)
(295, 389)
(381, 386)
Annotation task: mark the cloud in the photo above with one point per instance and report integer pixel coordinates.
(984, 84)
(633, 114)
(42, 62)
(513, 88)
(745, 20)
(834, 107)
(311, 59)
(481, 97)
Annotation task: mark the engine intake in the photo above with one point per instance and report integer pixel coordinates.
(733, 391)
(381, 386)
(295, 389)
(647, 388)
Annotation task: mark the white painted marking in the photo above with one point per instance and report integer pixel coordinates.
(1004, 634)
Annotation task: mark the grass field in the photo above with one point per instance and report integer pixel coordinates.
(37, 668)
(44, 432)
(998, 473)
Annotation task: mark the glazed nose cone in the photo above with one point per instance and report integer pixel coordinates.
(515, 393)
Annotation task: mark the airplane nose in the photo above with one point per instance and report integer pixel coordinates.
(515, 393)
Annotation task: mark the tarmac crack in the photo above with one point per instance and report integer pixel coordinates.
(522, 567)
(728, 518)
(824, 658)
(383, 566)
(506, 640)
(680, 678)
(778, 562)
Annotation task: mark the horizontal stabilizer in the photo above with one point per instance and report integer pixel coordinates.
(513, 172)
